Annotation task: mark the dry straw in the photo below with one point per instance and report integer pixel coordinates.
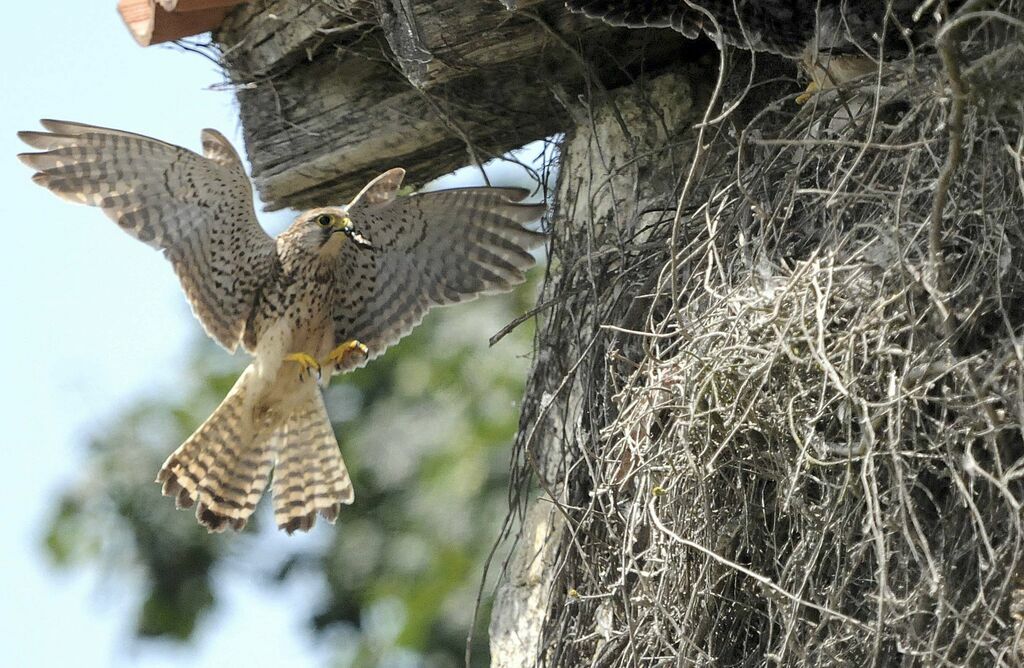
(814, 453)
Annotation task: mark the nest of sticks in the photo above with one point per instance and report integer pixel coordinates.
(811, 451)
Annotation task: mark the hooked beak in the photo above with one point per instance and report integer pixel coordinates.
(346, 227)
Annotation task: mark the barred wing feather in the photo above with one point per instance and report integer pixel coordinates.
(198, 210)
(431, 249)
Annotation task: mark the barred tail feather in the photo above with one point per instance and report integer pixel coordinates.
(224, 466)
(310, 476)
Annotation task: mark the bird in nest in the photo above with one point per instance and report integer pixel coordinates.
(333, 291)
(833, 40)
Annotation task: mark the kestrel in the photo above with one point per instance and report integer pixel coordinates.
(330, 293)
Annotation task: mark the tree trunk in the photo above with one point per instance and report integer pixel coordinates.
(619, 169)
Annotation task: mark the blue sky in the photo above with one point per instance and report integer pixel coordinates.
(91, 321)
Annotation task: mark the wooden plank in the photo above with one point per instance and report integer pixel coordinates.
(265, 36)
(326, 103)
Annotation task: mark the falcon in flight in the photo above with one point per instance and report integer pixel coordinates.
(834, 40)
(330, 293)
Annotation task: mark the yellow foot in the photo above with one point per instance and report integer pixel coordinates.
(808, 93)
(341, 356)
(306, 364)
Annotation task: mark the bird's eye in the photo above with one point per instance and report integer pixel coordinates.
(324, 219)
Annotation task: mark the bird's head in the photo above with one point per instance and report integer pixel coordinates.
(326, 230)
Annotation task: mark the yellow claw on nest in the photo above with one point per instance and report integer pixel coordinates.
(808, 93)
(306, 363)
(339, 356)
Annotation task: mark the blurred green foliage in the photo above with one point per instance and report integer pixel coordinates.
(425, 431)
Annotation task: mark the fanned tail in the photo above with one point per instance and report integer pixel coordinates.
(310, 476)
(224, 466)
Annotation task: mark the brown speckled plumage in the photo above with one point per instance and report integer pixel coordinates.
(365, 272)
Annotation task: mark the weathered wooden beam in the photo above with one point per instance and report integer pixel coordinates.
(272, 35)
(326, 103)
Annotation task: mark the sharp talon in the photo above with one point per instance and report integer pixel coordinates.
(305, 362)
(808, 93)
(339, 357)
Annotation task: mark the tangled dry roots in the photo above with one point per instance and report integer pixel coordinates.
(811, 451)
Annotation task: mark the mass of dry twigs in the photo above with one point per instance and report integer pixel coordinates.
(808, 446)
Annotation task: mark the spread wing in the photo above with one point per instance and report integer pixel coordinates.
(428, 250)
(198, 210)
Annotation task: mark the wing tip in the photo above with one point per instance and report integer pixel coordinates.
(27, 159)
(535, 209)
(517, 195)
(218, 148)
(58, 126)
(36, 139)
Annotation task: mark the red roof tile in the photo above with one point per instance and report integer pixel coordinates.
(153, 22)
